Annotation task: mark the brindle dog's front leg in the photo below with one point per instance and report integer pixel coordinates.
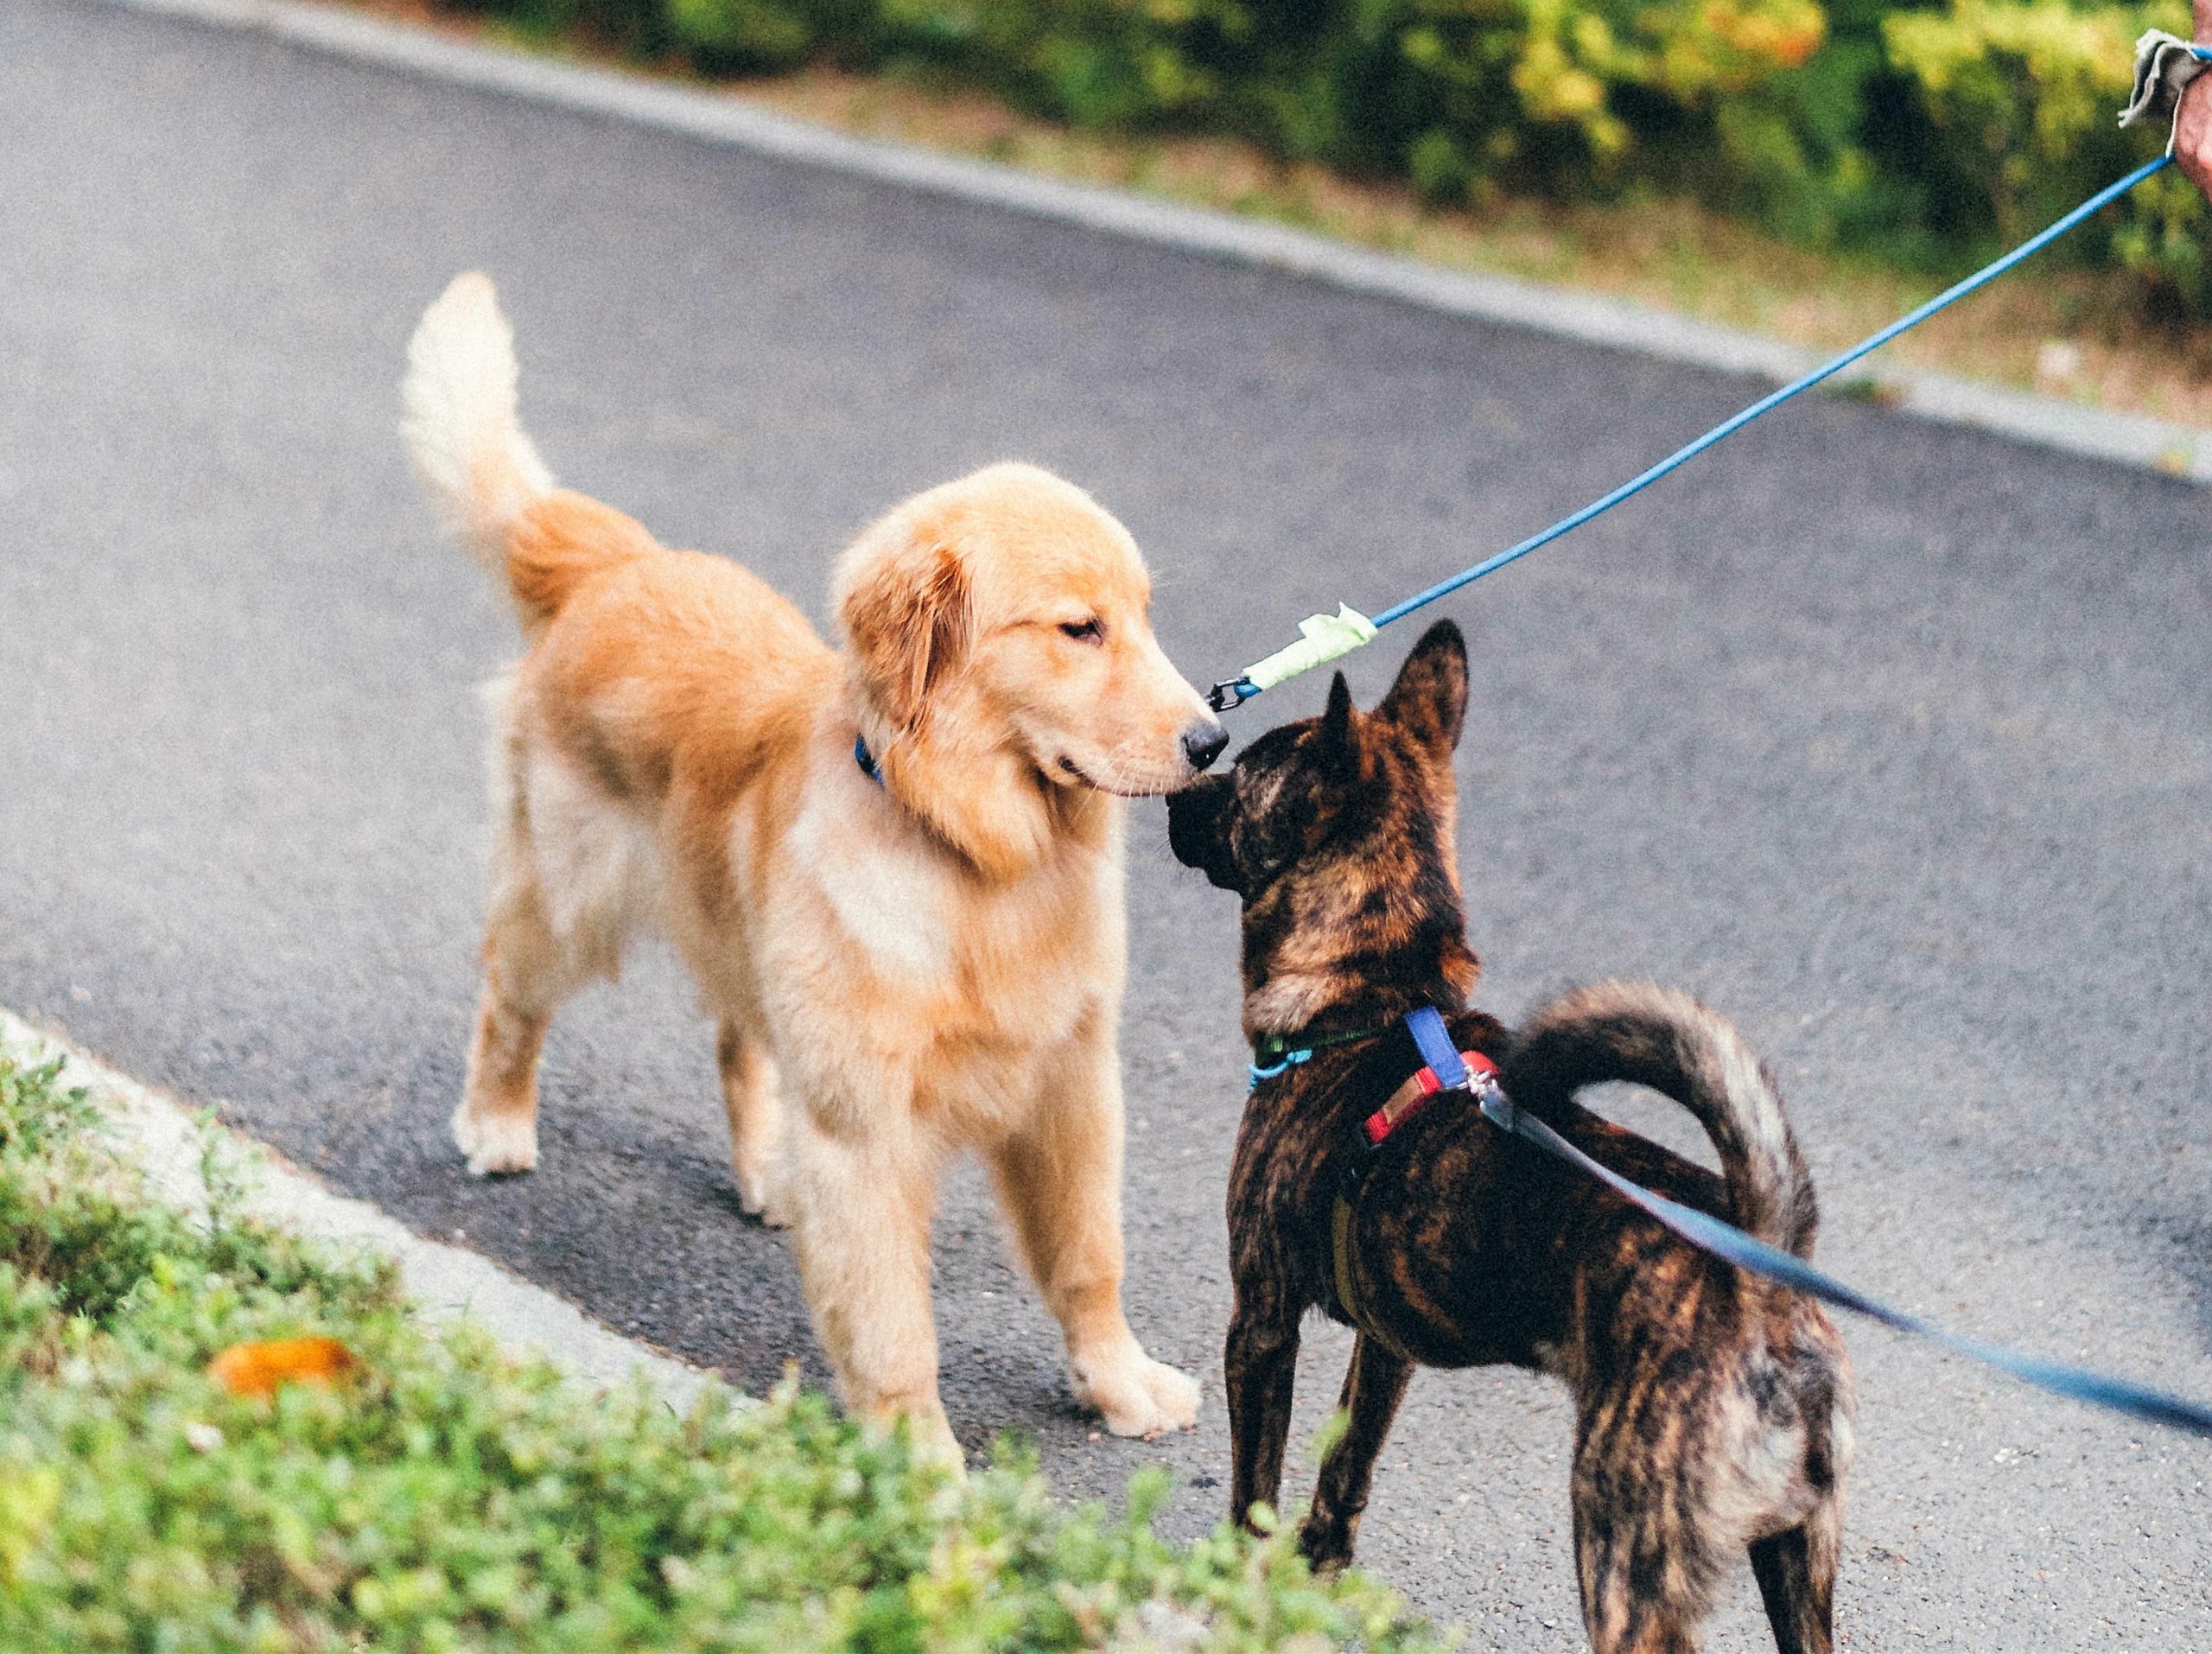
(1374, 1386)
(1258, 1368)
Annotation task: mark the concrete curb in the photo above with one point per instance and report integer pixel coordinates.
(447, 1282)
(2125, 439)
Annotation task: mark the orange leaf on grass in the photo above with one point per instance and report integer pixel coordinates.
(258, 1369)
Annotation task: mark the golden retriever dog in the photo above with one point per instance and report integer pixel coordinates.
(895, 870)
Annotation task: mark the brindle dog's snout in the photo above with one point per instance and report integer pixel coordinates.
(1197, 820)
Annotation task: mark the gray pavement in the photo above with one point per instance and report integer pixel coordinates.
(1891, 741)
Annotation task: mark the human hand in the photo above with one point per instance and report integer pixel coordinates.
(2193, 134)
(2193, 120)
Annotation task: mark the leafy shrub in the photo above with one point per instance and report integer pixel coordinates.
(450, 1498)
(1450, 93)
(1929, 131)
(2021, 95)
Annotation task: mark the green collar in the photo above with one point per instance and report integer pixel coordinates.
(1273, 1053)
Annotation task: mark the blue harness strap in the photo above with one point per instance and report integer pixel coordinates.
(1747, 1252)
(1433, 1041)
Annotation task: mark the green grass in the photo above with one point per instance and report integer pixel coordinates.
(451, 1497)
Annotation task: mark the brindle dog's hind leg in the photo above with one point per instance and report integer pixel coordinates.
(1259, 1367)
(1374, 1386)
(1632, 1597)
(1647, 1581)
(1797, 1575)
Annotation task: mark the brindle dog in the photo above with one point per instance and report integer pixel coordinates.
(1713, 1411)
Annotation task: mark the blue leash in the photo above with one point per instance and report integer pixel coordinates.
(1727, 1242)
(1236, 691)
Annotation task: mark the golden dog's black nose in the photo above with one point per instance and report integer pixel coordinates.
(1202, 743)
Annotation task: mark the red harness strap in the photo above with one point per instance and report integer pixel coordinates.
(1407, 1100)
(1404, 1104)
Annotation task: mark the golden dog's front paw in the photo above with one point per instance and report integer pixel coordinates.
(1136, 1395)
(761, 1192)
(772, 1213)
(770, 1206)
(498, 1144)
(928, 1433)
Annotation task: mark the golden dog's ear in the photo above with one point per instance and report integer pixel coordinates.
(910, 622)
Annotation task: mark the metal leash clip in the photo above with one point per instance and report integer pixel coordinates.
(1230, 692)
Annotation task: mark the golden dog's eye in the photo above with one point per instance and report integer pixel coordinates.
(1084, 631)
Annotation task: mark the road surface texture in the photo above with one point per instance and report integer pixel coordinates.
(1892, 741)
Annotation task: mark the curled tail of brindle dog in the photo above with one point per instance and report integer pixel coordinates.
(494, 497)
(1657, 1037)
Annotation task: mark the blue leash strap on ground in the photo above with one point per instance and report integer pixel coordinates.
(1727, 1242)
(1329, 636)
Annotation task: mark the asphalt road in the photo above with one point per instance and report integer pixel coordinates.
(1891, 741)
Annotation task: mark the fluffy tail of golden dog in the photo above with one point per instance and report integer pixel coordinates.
(494, 497)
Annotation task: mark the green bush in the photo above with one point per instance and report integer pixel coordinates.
(1453, 93)
(1931, 132)
(2020, 95)
(449, 1498)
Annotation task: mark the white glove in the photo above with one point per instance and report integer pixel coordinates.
(2165, 64)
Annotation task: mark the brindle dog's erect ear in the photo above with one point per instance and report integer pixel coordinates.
(908, 621)
(1429, 700)
(1337, 745)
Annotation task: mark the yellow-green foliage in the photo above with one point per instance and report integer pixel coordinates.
(2029, 87)
(451, 1499)
(1568, 58)
(2022, 94)
(1935, 131)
